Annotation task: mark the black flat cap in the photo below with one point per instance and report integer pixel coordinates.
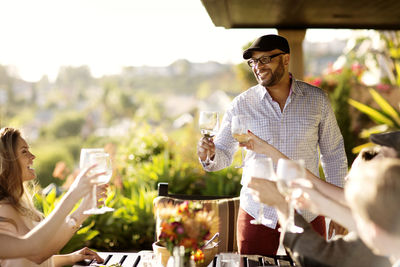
(390, 139)
(267, 43)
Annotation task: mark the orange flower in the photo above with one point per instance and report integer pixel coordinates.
(188, 243)
(167, 229)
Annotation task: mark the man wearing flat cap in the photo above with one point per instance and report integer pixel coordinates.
(291, 115)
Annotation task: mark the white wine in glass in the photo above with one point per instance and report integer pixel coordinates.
(261, 168)
(287, 171)
(103, 165)
(239, 129)
(209, 126)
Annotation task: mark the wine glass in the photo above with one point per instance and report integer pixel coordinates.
(239, 129)
(209, 126)
(84, 157)
(261, 168)
(103, 165)
(287, 171)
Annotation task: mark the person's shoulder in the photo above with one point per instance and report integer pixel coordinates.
(310, 91)
(8, 218)
(8, 211)
(306, 87)
(249, 93)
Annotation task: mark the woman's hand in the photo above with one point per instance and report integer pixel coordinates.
(266, 191)
(101, 195)
(255, 144)
(309, 197)
(84, 182)
(261, 146)
(85, 254)
(79, 255)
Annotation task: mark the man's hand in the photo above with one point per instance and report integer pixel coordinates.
(204, 146)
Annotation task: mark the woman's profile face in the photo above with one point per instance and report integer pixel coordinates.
(25, 160)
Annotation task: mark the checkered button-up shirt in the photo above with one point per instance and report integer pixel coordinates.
(306, 123)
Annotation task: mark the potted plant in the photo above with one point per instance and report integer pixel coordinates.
(187, 225)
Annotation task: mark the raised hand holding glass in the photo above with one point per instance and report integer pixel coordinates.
(209, 126)
(261, 168)
(103, 165)
(239, 129)
(287, 171)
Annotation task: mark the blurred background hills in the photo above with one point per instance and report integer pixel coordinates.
(173, 90)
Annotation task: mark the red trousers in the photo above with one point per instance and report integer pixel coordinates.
(262, 240)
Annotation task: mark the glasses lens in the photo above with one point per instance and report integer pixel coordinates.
(262, 60)
(265, 60)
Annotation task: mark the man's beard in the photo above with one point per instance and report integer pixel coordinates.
(276, 76)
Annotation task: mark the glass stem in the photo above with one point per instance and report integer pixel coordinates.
(242, 157)
(291, 214)
(94, 197)
(260, 214)
(242, 164)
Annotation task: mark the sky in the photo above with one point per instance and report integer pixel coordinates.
(39, 36)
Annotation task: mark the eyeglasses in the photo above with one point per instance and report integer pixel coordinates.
(263, 60)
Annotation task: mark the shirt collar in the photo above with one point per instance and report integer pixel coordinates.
(295, 87)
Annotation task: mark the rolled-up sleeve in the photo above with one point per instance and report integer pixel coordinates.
(331, 144)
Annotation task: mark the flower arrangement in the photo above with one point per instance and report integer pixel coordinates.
(188, 225)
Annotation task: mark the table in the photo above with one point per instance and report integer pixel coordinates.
(132, 259)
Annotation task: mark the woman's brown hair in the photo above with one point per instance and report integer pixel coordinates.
(11, 185)
(12, 189)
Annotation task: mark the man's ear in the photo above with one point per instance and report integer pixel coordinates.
(286, 59)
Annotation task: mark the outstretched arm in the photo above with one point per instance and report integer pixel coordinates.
(260, 146)
(35, 242)
(266, 191)
(66, 231)
(334, 192)
(315, 201)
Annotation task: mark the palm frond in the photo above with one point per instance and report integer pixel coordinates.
(376, 115)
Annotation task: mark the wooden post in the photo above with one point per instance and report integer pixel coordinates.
(295, 39)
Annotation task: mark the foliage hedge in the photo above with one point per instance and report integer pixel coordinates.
(142, 160)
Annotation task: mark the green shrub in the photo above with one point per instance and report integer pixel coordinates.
(131, 226)
(339, 99)
(65, 124)
(47, 156)
(144, 159)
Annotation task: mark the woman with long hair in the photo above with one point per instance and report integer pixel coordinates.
(20, 219)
